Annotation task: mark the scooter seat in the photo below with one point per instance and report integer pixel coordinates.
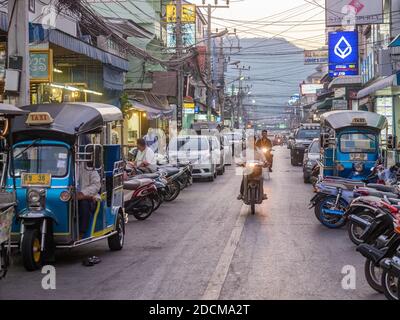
(381, 187)
(135, 184)
(394, 201)
(380, 194)
(147, 176)
(342, 186)
(170, 171)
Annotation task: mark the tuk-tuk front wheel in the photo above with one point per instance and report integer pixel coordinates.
(32, 256)
(116, 241)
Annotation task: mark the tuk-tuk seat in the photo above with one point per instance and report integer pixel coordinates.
(135, 184)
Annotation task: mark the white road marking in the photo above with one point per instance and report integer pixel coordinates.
(217, 279)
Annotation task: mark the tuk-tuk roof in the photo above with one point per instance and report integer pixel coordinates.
(10, 110)
(346, 118)
(70, 118)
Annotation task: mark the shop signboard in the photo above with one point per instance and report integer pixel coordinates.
(41, 65)
(353, 12)
(315, 57)
(339, 105)
(310, 88)
(343, 53)
(188, 35)
(188, 13)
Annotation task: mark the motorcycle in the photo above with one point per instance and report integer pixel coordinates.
(380, 241)
(139, 196)
(334, 195)
(253, 184)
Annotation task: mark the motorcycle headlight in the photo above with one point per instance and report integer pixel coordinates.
(264, 150)
(359, 167)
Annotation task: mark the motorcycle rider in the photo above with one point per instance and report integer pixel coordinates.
(265, 143)
(250, 153)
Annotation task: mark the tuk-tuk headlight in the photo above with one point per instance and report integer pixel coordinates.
(34, 196)
(359, 167)
(65, 196)
(36, 199)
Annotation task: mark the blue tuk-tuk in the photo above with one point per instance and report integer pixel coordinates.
(53, 146)
(351, 143)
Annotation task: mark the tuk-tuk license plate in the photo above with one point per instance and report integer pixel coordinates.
(36, 180)
(358, 157)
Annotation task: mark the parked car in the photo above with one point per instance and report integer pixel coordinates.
(301, 140)
(200, 151)
(217, 148)
(311, 156)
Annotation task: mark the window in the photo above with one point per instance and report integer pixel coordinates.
(41, 159)
(32, 4)
(358, 143)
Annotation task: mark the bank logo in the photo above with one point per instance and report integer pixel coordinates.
(343, 48)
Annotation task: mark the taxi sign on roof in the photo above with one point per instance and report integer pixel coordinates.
(39, 118)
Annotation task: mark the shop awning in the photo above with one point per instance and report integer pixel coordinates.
(64, 40)
(152, 113)
(323, 105)
(389, 81)
(345, 81)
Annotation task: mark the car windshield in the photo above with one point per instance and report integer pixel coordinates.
(358, 143)
(189, 144)
(314, 148)
(41, 159)
(307, 134)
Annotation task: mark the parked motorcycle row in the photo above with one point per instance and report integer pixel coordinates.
(144, 193)
(371, 212)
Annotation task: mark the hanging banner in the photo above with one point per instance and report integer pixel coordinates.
(353, 12)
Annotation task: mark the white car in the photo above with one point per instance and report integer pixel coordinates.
(200, 151)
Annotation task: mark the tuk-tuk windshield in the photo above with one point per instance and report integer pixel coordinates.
(358, 143)
(41, 159)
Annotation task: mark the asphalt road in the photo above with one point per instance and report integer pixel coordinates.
(206, 245)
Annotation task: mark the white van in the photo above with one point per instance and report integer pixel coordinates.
(199, 150)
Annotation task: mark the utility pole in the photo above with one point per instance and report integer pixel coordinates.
(210, 89)
(240, 92)
(179, 52)
(18, 45)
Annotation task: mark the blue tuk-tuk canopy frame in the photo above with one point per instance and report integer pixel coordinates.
(343, 119)
(70, 120)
